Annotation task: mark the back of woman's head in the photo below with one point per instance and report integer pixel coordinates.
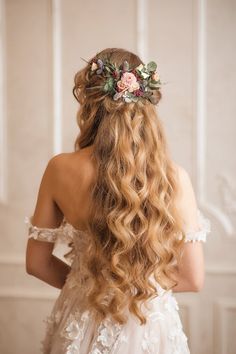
(133, 222)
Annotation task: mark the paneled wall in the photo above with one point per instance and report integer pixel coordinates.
(41, 45)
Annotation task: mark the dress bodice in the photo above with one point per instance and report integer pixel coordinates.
(66, 232)
(78, 240)
(70, 327)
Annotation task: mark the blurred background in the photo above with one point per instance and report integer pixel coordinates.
(193, 43)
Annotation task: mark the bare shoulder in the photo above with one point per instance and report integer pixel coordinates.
(185, 200)
(62, 160)
(59, 159)
(77, 163)
(183, 178)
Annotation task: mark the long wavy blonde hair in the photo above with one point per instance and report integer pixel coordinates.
(133, 220)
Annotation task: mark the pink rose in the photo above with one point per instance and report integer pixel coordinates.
(129, 80)
(121, 86)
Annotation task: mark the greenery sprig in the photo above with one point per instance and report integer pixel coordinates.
(123, 82)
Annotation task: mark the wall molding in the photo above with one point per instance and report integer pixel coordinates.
(24, 293)
(201, 70)
(224, 270)
(189, 305)
(12, 260)
(142, 29)
(222, 307)
(227, 193)
(57, 76)
(3, 118)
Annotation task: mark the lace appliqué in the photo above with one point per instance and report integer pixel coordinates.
(107, 337)
(41, 233)
(51, 323)
(72, 349)
(199, 235)
(169, 311)
(179, 339)
(63, 233)
(177, 336)
(74, 330)
(149, 341)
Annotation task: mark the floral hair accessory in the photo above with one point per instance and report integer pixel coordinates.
(127, 83)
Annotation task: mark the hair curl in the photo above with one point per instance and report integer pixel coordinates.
(133, 220)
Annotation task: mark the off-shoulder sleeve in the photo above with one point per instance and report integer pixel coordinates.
(201, 233)
(42, 233)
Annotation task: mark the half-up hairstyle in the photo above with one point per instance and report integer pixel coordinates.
(133, 222)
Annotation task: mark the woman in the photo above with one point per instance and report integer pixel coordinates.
(127, 211)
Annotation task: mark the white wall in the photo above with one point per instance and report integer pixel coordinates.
(193, 43)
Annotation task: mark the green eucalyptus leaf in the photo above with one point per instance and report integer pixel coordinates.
(125, 66)
(106, 87)
(154, 85)
(151, 66)
(110, 82)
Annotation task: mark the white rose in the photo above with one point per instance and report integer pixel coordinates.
(135, 86)
(144, 75)
(140, 67)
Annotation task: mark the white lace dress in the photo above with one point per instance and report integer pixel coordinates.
(72, 330)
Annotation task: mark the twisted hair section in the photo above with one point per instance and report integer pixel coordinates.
(133, 222)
